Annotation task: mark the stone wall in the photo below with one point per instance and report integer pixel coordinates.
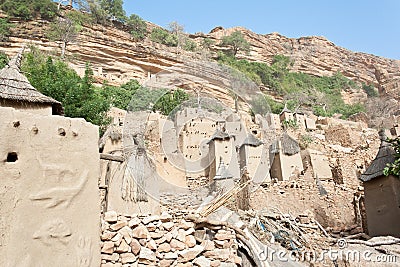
(164, 240)
(49, 198)
(335, 210)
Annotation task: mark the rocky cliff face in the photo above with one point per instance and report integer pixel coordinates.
(318, 56)
(117, 58)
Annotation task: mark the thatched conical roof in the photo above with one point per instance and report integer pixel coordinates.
(14, 86)
(220, 135)
(385, 155)
(251, 140)
(289, 146)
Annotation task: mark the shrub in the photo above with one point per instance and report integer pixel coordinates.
(207, 43)
(3, 59)
(259, 105)
(189, 45)
(162, 36)
(236, 43)
(394, 167)
(305, 141)
(369, 90)
(120, 96)
(54, 78)
(4, 29)
(299, 89)
(27, 9)
(79, 17)
(290, 124)
(138, 27)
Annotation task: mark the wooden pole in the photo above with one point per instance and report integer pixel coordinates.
(111, 157)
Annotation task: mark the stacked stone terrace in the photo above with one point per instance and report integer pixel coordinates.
(165, 240)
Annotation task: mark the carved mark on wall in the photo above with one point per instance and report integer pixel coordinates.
(61, 196)
(56, 171)
(84, 251)
(53, 231)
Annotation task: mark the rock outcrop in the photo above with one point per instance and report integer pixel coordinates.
(318, 56)
(117, 58)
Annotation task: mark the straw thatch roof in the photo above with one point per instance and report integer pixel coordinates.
(219, 135)
(14, 86)
(385, 155)
(251, 140)
(289, 146)
(222, 172)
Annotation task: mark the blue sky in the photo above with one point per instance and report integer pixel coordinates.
(360, 25)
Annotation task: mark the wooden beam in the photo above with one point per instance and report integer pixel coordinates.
(111, 157)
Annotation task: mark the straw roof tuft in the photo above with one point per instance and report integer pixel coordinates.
(385, 155)
(289, 145)
(14, 86)
(251, 140)
(220, 135)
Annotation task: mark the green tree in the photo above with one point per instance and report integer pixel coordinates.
(3, 59)
(113, 8)
(236, 43)
(98, 14)
(27, 9)
(161, 100)
(137, 26)
(162, 36)
(189, 45)
(177, 30)
(369, 90)
(65, 31)
(54, 78)
(394, 167)
(320, 94)
(167, 103)
(5, 27)
(120, 96)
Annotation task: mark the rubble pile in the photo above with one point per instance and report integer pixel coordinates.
(290, 232)
(165, 240)
(181, 203)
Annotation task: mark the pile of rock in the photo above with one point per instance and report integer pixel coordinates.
(189, 200)
(128, 240)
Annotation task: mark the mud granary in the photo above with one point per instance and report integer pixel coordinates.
(382, 194)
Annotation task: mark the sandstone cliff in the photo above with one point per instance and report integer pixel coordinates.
(318, 56)
(117, 58)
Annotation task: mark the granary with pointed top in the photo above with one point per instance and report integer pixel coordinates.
(382, 193)
(253, 157)
(221, 148)
(285, 158)
(17, 92)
